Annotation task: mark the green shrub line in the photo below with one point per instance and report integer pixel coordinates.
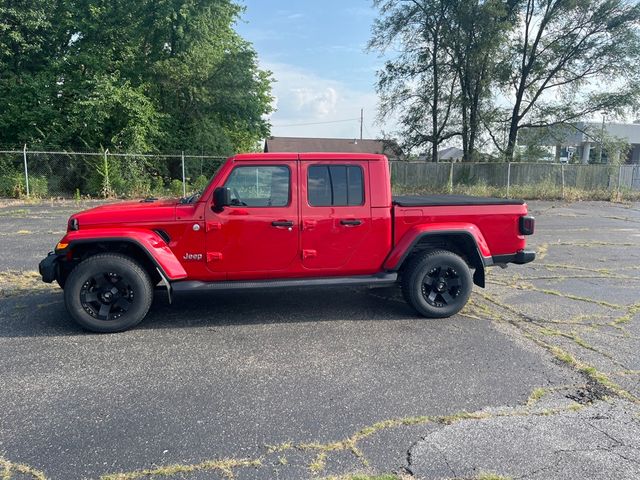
(13, 186)
(540, 191)
(53, 175)
(108, 183)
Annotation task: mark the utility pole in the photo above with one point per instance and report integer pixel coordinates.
(361, 121)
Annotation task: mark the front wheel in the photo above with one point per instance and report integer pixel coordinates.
(108, 293)
(437, 283)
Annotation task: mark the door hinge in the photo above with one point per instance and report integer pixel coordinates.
(214, 226)
(309, 224)
(214, 256)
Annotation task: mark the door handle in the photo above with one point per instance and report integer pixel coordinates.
(351, 222)
(282, 223)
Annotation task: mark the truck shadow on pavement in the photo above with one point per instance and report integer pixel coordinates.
(44, 314)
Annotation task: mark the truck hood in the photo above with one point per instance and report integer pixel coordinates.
(128, 212)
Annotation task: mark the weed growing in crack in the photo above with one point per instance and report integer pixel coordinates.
(9, 470)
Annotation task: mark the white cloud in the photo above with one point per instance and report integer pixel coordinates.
(303, 97)
(321, 103)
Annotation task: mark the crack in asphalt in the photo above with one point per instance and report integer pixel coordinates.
(483, 306)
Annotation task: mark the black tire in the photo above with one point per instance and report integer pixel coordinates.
(437, 284)
(108, 293)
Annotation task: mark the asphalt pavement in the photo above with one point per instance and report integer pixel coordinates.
(538, 378)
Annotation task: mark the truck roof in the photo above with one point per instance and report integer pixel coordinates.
(325, 156)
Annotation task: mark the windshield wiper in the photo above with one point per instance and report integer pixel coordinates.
(191, 198)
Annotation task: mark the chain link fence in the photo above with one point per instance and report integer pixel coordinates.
(102, 175)
(39, 174)
(528, 180)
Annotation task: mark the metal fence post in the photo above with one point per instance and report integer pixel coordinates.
(451, 178)
(619, 178)
(562, 176)
(26, 169)
(184, 180)
(508, 179)
(106, 179)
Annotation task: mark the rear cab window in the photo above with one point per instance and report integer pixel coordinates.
(335, 185)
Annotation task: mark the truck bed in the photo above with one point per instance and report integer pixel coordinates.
(450, 200)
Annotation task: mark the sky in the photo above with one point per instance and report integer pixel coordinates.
(317, 53)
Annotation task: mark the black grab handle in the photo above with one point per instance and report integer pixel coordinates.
(282, 223)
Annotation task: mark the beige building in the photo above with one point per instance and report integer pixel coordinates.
(579, 143)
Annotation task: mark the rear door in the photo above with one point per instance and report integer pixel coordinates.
(335, 212)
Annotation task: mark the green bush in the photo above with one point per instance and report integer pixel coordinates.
(175, 187)
(200, 183)
(13, 185)
(157, 186)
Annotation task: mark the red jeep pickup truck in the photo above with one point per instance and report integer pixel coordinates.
(283, 220)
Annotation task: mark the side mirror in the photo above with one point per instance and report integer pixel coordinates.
(221, 198)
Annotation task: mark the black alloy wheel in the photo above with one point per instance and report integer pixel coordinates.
(107, 296)
(436, 283)
(108, 293)
(441, 286)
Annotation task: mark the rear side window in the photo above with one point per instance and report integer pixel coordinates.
(335, 185)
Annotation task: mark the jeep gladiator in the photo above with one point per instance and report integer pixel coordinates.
(285, 220)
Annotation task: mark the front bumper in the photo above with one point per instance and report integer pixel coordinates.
(49, 267)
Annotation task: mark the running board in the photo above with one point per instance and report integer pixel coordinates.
(380, 280)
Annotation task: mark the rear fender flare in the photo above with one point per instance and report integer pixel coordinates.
(148, 241)
(478, 252)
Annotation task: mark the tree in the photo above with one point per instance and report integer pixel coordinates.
(570, 59)
(28, 36)
(476, 31)
(441, 81)
(420, 84)
(149, 75)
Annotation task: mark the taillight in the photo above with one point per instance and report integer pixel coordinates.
(527, 225)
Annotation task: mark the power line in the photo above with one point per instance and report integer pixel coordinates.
(316, 123)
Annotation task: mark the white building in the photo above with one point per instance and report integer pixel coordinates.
(580, 142)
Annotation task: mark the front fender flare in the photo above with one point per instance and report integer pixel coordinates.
(147, 240)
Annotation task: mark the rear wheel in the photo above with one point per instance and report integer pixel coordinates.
(108, 293)
(437, 283)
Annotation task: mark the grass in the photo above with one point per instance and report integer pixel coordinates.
(491, 476)
(8, 469)
(224, 466)
(632, 311)
(364, 476)
(539, 191)
(14, 283)
(535, 396)
(318, 463)
(560, 354)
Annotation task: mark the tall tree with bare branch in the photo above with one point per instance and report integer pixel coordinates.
(419, 84)
(569, 59)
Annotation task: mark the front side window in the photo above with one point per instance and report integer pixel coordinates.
(335, 185)
(259, 186)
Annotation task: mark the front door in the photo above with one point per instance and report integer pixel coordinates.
(335, 212)
(258, 233)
